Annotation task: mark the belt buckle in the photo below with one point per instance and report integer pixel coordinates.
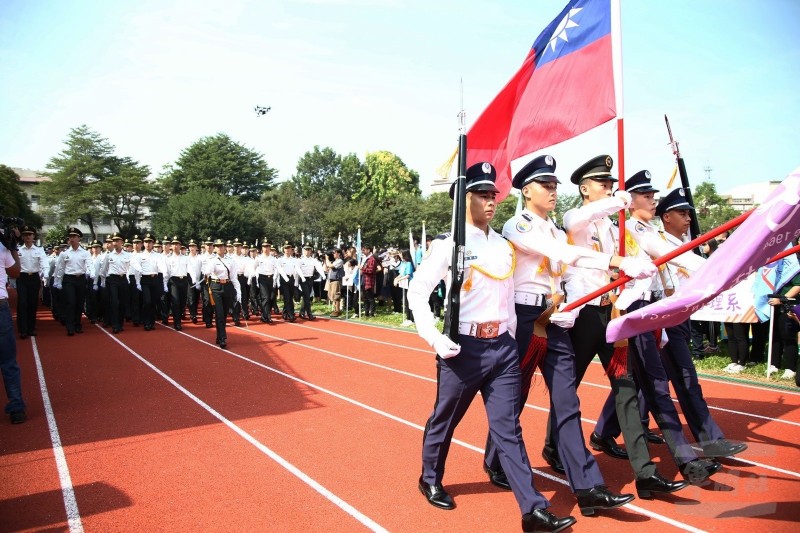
(487, 330)
(605, 300)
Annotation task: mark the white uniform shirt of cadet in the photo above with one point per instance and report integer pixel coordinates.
(115, 264)
(483, 298)
(195, 266)
(148, 264)
(6, 261)
(73, 262)
(32, 259)
(308, 265)
(642, 240)
(674, 275)
(134, 257)
(219, 268)
(178, 267)
(588, 226)
(266, 265)
(288, 267)
(537, 239)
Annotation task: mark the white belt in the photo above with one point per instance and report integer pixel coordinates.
(527, 298)
(484, 330)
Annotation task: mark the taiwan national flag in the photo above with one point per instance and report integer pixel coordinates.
(564, 88)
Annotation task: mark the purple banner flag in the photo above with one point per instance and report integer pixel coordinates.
(765, 233)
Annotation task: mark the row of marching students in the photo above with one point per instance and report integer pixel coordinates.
(512, 323)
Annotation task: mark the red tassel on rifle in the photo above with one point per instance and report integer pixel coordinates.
(534, 356)
(619, 361)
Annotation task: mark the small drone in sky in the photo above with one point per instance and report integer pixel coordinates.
(261, 111)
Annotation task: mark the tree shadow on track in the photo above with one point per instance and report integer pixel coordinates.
(30, 511)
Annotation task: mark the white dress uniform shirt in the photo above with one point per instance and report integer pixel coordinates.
(308, 265)
(148, 264)
(588, 226)
(266, 265)
(73, 262)
(288, 267)
(674, 275)
(179, 266)
(248, 265)
(32, 260)
(484, 298)
(543, 251)
(114, 264)
(195, 267)
(217, 267)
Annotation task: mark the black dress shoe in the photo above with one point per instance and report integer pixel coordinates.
(600, 497)
(17, 417)
(312, 317)
(657, 483)
(194, 320)
(209, 326)
(608, 446)
(70, 333)
(551, 456)
(544, 520)
(653, 438)
(723, 448)
(237, 323)
(178, 327)
(23, 336)
(116, 330)
(32, 333)
(497, 477)
(223, 345)
(699, 470)
(436, 495)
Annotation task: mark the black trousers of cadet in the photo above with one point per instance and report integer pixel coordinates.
(287, 290)
(265, 284)
(117, 287)
(133, 311)
(307, 291)
(163, 301)
(242, 309)
(92, 301)
(254, 300)
(588, 337)
(73, 289)
(152, 289)
(223, 295)
(27, 300)
(192, 298)
(208, 309)
(178, 292)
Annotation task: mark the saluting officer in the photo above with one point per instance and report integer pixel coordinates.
(73, 267)
(266, 266)
(33, 269)
(589, 227)
(485, 358)
(224, 286)
(642, 240)
(289, 270)
(308, 267)
(543, 256)
(180, 275)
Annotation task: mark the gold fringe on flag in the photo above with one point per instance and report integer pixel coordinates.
(447, 166)
(672, 177)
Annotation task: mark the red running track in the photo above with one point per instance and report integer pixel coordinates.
(317, 426)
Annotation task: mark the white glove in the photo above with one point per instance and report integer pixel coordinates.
(631, 294)
(165, 286)
(563, 319)
(139, 287)
(626, 198)
(103, 283)
(638, 268)
(95, 287)
(444, 347)
(57, 285)
(197, 285)
(239, 297)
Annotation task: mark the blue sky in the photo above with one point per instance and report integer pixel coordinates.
(366, 75)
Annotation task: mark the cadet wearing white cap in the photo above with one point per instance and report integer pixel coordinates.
(308, 266)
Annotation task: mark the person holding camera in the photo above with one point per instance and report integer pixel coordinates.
(9, 268)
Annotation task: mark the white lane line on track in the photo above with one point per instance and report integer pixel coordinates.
(343, 505)
(540, 383)
(635, 508)
(67, 490)
(428, 351)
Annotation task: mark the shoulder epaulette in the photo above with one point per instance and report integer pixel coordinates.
(527, 217)
(443, 235)
(559, 226)
(615, 222)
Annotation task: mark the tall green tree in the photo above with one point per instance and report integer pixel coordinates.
(83, 162)
(222, 165)
(125, 192)
(712, 209)
(202, 213)
(13, 200)
(386, 178)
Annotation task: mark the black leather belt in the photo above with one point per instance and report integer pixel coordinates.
(30, 273)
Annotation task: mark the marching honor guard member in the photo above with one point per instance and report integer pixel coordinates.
(543, 256)
(149, 271)
(193, 295)
(246, 266)
(113, 275)
(266, 266)
(224, 288)
(74, 266)
(180, 275)
(289, 270)
(676, 355)
(643, 241)
(308, 266)
(485, 358)
(589, 227)
(205, 293)
(33, 270)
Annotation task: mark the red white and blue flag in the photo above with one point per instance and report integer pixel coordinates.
(565, 87)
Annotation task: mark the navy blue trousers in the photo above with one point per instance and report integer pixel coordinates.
(491, 367)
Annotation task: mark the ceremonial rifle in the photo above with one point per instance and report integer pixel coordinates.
(459, 238)
(694, 227)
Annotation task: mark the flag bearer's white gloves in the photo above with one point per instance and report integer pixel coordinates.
(563, 319)
(638, 268)
(625, 197)
(444, 347)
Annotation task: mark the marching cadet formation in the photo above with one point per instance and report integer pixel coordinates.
(512, 322)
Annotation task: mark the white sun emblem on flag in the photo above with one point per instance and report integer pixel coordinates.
(561, 30)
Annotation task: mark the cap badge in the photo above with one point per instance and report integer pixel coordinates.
(609, 161)
(680, 191)
(548, 160)
(647, 174)
(486, 168)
